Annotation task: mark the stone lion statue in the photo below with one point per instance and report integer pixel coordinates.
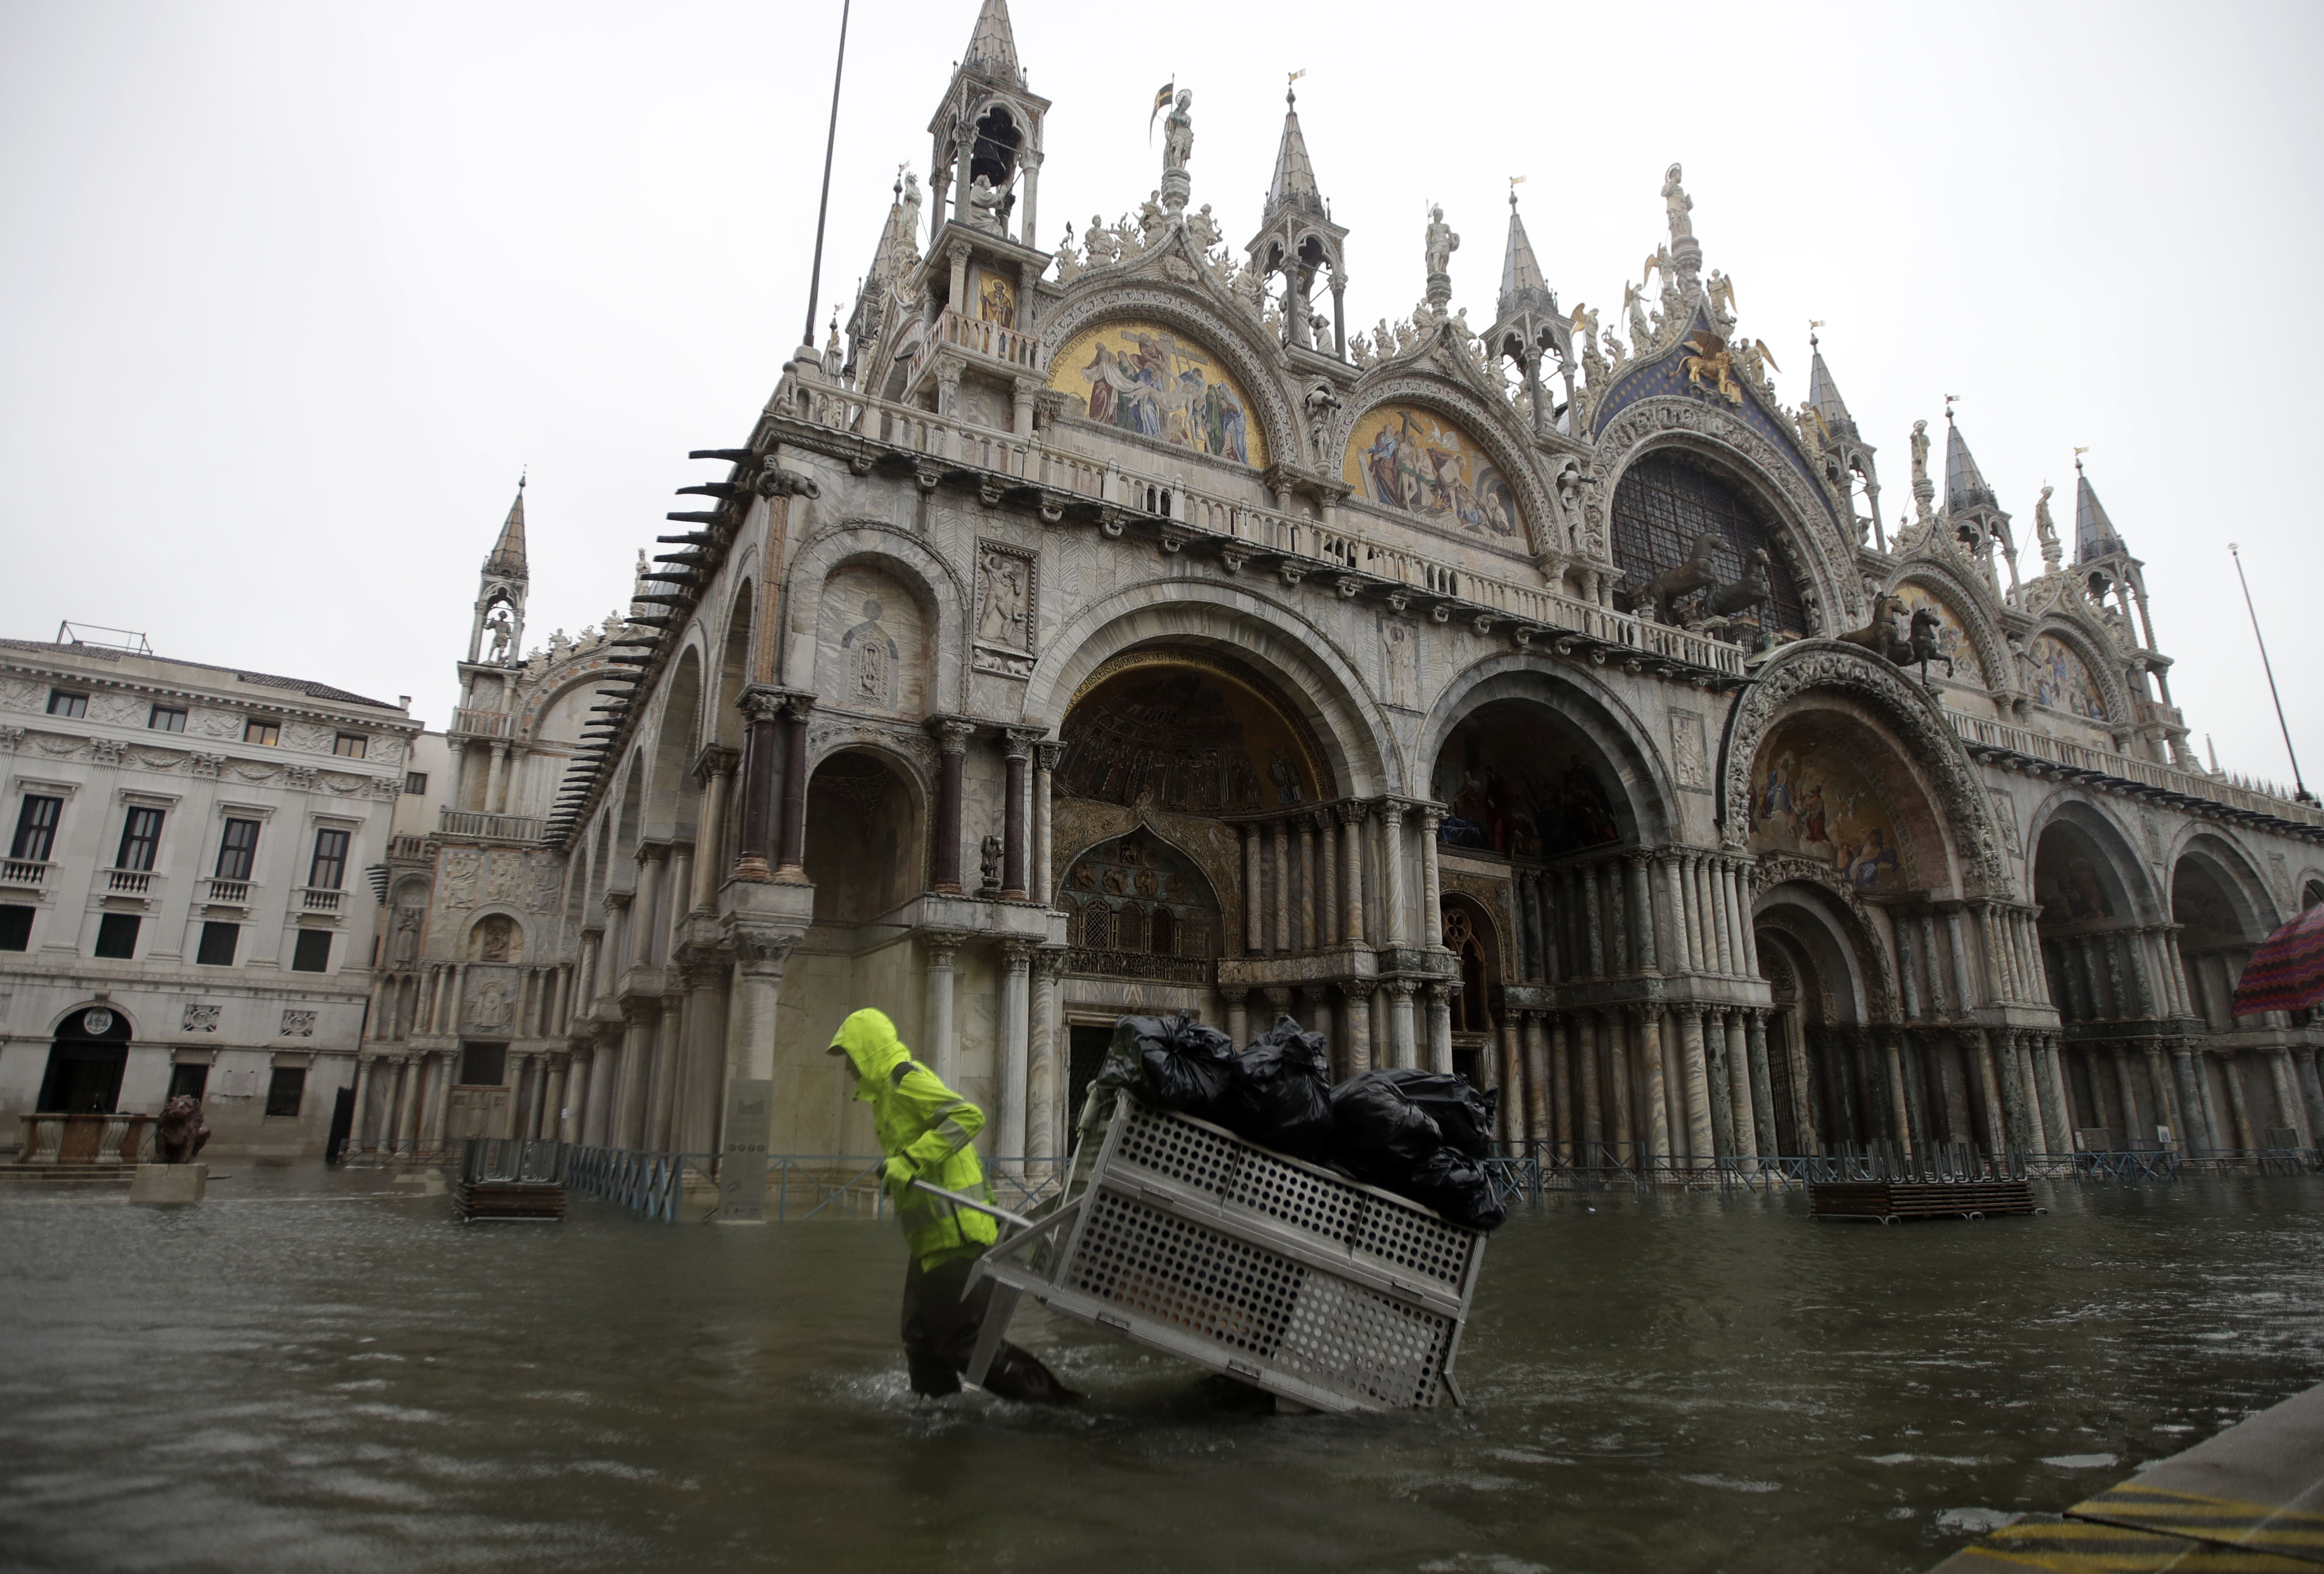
(181, 1134)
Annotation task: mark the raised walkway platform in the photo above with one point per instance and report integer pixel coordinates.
(2250, 1501)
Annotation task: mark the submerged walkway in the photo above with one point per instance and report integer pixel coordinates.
(2250, 1501)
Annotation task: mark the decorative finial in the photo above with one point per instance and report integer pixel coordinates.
(1814, 323)
(2077, 459)
(527, 470)
(1288, 95)
(1950, 398)
(1515, 181)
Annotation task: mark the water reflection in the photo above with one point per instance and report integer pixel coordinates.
(359, 1383)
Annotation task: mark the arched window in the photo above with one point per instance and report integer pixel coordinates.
(1471, 1012)
(1130, 927)
(1163, 937)
(1664, 504)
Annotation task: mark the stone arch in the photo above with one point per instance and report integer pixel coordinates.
(1472, 931)
(1821, 670)
(866, 833)
(727, 723)
(2124, 878)
(1616, 735)
(1829, 979)
(1965, 598)
(88, 1052)
(873, 641)
(2236, 874)
(672, 795)
(1140, 903)
(630, 816)
(2113, 695)
(1300, 660)
(905, 559)
(493, 935)
(1492, 426)
(1217, 322)
(1806, 527)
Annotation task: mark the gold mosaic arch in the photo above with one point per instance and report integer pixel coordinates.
(1954, 637)
(1410, 459)
(1141, 377)
(1283, 756)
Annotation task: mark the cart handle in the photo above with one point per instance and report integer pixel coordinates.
(963, 1201)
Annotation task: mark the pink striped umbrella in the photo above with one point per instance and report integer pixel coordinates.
(2286, 973)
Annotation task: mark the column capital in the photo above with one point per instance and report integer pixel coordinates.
(1016, 743)
(1049, 961)
(1234, 994)
(759, 701)
(1403, 989)
(951, 733)
(943, 943)
(1392, 812)
(1048, 753)
(1351, 812)
(1017, 951)
(616, 901)
(715, 760)
(1358, 989)
(763, 951)
(652, 851)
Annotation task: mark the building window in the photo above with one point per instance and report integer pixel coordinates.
(64, 702)
(1665, 505)
(329, 869)
(189, 1081)
(15, 928)
(36, 828)
(140, 839)
(313, 951)
(218, 944)
(350, 744)
(238, 850)
(284, 1093)
(415, 781)
(167, 718)
(116, 935)
(266, 733)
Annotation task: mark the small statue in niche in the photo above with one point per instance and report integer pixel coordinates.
(180, 1134)
(989, 866)
(984, 201)
(1321, 403)
(1002, 619)
(502, 633)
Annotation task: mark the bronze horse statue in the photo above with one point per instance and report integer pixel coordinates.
(1926, 626)
(1879, 635)
(1697, 572)
(1745, 593)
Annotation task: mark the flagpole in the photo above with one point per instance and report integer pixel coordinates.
(823, 208)
(2300, 787)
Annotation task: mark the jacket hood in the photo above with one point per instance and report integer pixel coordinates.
(870, 1042)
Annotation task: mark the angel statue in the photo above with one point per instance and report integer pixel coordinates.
(1634, 302)
(1721, 291)
(1178, 133)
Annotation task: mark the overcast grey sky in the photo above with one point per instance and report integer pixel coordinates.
(291, 291)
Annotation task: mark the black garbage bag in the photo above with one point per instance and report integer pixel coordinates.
(1456, 1186)
(1378, 1133)
(1173, 1061)
(1279, 1093)
(1462, 1113)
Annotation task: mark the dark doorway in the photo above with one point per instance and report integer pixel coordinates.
(482, 1065)
(85, 1064)
(189, 1080)
(1085, 1053)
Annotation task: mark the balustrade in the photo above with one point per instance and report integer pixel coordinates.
(491, 827)
(315, 899)
(128, 882)
(483, 723)
(1981, 731)
(24, 873)
(226, 893)
(996, 340)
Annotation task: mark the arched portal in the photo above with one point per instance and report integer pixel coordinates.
(1670, 511)
(86, 1060)
(863, 852)
(2243, 1090)
(1474, 1008)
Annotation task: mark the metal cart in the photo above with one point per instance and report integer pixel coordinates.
(1190, 1240)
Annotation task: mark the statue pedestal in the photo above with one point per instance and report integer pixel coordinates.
(1177, 188)
(169, 1185)
(1440, 291)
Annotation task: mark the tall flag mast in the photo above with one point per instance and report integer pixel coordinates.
(823, 207)
(2299, 788)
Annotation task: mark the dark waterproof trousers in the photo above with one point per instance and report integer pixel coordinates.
(941, 1319)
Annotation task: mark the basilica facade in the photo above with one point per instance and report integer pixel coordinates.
(1105, 623)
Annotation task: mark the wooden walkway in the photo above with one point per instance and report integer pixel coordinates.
(2250, 1501)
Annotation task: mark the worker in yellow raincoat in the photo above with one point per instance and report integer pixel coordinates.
(926, 1129)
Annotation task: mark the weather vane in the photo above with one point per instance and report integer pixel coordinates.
(1813, 323)
(1295, 75)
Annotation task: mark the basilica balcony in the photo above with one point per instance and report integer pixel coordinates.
(22, 875)
(2039, 754)
(994, 341)
(483, 723)
(1338, 553)
(490, 828)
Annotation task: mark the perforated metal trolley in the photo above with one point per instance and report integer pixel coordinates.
(1190, 1240)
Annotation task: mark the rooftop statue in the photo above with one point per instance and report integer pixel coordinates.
(1680, 204)
(1442, 242)
(2045, 529)
(1178, 133)
(1920, 453)
(984, 204)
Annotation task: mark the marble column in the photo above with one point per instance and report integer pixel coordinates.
(791, 844)
(708, 977)
(1327, 861)
(1238, 1018)
(2289, 1110)
(645, 918)
(1400, 1023)
(1699, 1127)
(952, 742)
(1649, 1023)
(1432, 893)
(1440, 1027)
(1254, 936)
(1643, 951)
(2057, 1109)
(1511, 1112)
(1682, 959)
(2311, 1091)
(570, 1126)
(1620, 1085)
(1593, 1106)
(2248, 1135)
(1045, 768)
(1393, 857)
(640, 1019)
(943, 1036)
(1351, 879)
(1278, 833)
(1304, 931)
(1809, 1130)
(1763, 1089)
(1539, 1119)
(669, 1053)
(1567, 1094)
(747, 1124)
(1016, 1048)
(1356, 1015)
(1017, 752)
(1722, 928)
(1045, 1122)
(1719, 1083)
(718, 775)
(1591, 917)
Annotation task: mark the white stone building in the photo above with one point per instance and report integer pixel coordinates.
(188, 902)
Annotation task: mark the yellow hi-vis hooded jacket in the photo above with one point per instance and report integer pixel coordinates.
(930, 1127)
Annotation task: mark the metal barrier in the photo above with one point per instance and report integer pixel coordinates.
(799, 1186)
(1528, 1170)
(651, 1183)
(519, 1159)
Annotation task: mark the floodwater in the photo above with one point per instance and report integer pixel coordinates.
(315, 1371)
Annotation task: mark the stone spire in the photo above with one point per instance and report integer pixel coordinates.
(992, 46)
(1965, 487)
(2094, 536)
(1824, 393)
(507, 558)
(1294, 185)
(1522, 284)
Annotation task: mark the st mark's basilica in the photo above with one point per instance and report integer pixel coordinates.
(1106, 623)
